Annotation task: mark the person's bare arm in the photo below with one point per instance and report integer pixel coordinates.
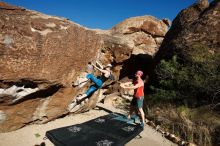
(101, 70)
(100, 65)
(127, 83)
(132, 87)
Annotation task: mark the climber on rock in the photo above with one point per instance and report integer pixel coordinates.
(98, 83)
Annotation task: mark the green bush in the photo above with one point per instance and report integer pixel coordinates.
(192, 79)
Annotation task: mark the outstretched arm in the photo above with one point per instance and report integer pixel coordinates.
(101, 70)
(131, 87)
(126, 83)
(99, 64)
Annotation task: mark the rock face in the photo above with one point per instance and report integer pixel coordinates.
(33, 46)
(42, 52)
(197, 24)
(144, 33)
(42, 55)
(142, 36)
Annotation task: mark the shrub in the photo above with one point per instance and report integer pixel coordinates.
(192, 79)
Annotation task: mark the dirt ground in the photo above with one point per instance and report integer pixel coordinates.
(34, 134)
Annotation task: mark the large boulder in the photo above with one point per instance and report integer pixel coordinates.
(197, 24)
(44, 54)
(37, 46)
(144, 33)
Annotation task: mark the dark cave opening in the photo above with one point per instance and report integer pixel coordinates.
(141, 62)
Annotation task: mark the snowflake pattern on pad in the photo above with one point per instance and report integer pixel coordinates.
(74, 129)
(100, 120)
(128, 128)
(104, 143)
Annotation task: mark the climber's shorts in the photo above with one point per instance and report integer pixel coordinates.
(137, 102)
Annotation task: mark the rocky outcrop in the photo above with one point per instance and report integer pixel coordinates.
(196, 24)
(144, 34)
(141, 36)
(42, 55)
(147, 24)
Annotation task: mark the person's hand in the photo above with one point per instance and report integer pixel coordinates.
(92, 64)
(122, 85)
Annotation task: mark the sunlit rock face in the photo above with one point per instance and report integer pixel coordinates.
(144, 33)
(38, 46)
(40, 57)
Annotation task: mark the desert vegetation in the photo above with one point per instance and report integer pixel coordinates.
(188, 88)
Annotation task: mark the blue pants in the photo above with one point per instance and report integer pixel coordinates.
(96, 86)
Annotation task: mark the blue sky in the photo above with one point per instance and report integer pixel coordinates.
(104, 14)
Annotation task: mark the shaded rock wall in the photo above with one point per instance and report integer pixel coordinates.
(197, 24)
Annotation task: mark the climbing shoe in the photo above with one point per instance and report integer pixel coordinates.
(72, 105)
(142, 124)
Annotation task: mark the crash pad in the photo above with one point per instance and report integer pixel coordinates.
(108, 130)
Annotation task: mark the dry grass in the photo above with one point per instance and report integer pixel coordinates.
(193, 125)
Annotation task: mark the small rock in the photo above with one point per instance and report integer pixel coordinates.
(167, 22)
(191, 144)
(2, 116)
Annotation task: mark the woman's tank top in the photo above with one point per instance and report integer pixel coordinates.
(139, 92)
